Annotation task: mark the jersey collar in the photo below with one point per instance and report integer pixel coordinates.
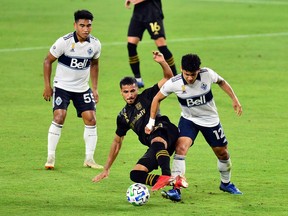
(76, 39)
(197, 78)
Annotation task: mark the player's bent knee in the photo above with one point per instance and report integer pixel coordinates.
(182, 149)
(221, 153)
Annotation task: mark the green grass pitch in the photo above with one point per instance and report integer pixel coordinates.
(245, 41)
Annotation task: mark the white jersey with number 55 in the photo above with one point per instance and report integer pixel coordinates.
(73, 68)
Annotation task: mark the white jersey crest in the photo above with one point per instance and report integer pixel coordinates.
(196, 100)
(73, 68)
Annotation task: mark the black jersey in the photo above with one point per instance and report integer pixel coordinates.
(148, 10)
(136, 116)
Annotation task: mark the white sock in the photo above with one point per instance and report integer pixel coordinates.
(224, 167)
(54, 135)
(139, 79)
(90, 138)
(178, 165)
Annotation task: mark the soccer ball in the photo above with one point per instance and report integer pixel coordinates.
(137, 194)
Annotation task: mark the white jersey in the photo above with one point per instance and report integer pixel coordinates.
(196, 100)
(73, 68)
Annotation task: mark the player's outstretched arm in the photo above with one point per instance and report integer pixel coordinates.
(167, 72)
(235, 102)
(114, 150)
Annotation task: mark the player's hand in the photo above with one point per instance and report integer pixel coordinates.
(101, 176)
(95, 96)
(148, 130)
(158, 56)
(47, 93)
(237, 107)
(127, 4)
(150, 126)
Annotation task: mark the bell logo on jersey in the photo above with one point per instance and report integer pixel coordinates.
(75, 63)
(196, 102)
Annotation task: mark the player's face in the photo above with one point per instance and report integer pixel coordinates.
(83, 28)
(129, 93)
(190, 77)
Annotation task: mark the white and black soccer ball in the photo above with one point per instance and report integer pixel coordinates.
(137, 194)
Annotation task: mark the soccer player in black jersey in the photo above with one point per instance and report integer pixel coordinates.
(135, 115)
(147, 15)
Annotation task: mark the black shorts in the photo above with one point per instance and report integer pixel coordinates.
(82, 101)
(155, 28)
(168, 132)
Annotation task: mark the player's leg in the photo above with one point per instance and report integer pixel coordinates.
(90, 136)
(85, 106)
(178, 165)
(61, 100)
(166, 53)
(217, 140)
(157, 33)
(188, 132)
(159, 146)
(141, 173)
(135, 33)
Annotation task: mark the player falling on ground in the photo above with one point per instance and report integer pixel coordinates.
(160, 143)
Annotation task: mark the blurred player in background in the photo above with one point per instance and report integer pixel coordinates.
(78, 55)
(199, 113)
(161, 142)
(147, 15)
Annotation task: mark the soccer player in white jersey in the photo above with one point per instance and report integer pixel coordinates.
(78, 55)
(199, 113)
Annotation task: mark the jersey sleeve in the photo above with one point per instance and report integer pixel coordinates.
(167, 88)
(98, 49)
(150, 93)
(214, 76)
(58, 48)
(122, 127)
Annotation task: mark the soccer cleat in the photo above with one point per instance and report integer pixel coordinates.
(162, 181)
(173, 194)
(140, 84)
(50, 162)
(180, 182)
(230, 188)
(92, 164)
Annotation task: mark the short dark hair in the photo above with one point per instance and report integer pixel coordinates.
(83, 14)
(128, 81)
(190, 62)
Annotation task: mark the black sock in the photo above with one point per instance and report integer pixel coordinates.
(162, 157)
(169, 58)
(143, 177)
(134, 59)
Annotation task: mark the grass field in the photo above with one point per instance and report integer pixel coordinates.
(244, 41)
